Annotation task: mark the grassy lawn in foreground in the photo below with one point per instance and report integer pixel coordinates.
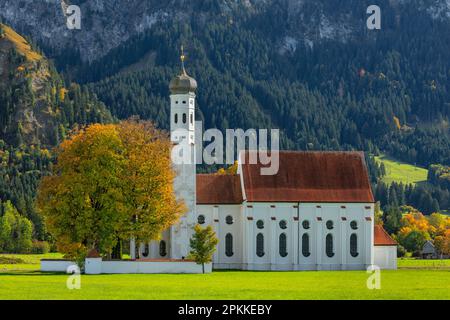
(402, 172)
(423, 282)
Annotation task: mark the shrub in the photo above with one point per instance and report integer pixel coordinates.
(401, 251)
(40, 247)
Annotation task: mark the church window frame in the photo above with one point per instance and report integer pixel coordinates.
(306, 252)
(306, 225)
(184, 118)
(146, 251)
(260, 245)
(176, 118)
(330, 225)
(201, 219)
(162, 248)
(282, 242)
(329, 245)
(229, 245)
(260, 224)
(354, 245)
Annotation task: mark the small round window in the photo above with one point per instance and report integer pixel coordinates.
(283, 224)
(260, 224)
(201, 219)
(305, 224)
(330, 225)
(229, 220)
(354, 225)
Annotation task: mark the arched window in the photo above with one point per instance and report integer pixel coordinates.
(191, 116)
(229, 245)
(283, 224)
(201, 219)
(354, 245)
(146, 250)
(229, 220)
(329, 245)
(283, 245)
(305, 245)
(260, 245)
(305, 224)
(184, 118)
(176, 117)
(162, 248)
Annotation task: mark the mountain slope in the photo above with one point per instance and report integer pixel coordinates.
(310, 68)
(36, 113)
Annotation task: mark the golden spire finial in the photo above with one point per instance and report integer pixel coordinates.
(183, 57)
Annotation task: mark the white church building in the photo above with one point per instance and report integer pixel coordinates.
(316, 213)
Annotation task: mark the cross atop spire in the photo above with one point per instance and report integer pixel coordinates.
(182, 58)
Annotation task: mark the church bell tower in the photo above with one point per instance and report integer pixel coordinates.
(182, 134)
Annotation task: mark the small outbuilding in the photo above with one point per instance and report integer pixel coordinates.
(429, 250)
(385, 249)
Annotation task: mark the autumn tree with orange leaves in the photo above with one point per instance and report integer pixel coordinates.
(111, 182)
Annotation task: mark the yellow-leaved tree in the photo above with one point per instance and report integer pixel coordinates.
(110, 183)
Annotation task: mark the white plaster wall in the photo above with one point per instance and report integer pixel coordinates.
(130, 267)
(244, 231)
(385, 257)
(215, 215)
(56, 265)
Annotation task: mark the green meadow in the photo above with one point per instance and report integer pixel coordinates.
(415, 279)
(402, 172)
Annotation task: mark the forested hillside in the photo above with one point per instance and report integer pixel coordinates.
(308, 67)
(37, 110)
(377, 90)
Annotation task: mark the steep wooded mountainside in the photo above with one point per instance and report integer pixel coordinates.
(36, 112)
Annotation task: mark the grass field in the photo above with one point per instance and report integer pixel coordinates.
(416, 279)
(402, 172)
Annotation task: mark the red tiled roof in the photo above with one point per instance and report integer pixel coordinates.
(310, 177)
(382, 238)
(218, 189)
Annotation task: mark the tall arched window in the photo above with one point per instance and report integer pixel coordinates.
(184, 117)
(329, 245)
(354, 245)
(162, 248)
(305, 245)
(229, 245)
(191, 118)
(146, 250)
(260, 245)
(176, 118)
(283, 245)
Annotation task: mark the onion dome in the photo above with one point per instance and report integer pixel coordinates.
(182, 83)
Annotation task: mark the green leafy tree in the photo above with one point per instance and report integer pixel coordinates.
(15, 231)
(393, 218)
(203, 245)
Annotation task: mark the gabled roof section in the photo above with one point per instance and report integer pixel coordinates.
(382, 238)
(218, 189)
(310, 177)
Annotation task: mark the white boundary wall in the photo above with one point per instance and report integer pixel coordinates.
(97, 266)
(56, 265)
